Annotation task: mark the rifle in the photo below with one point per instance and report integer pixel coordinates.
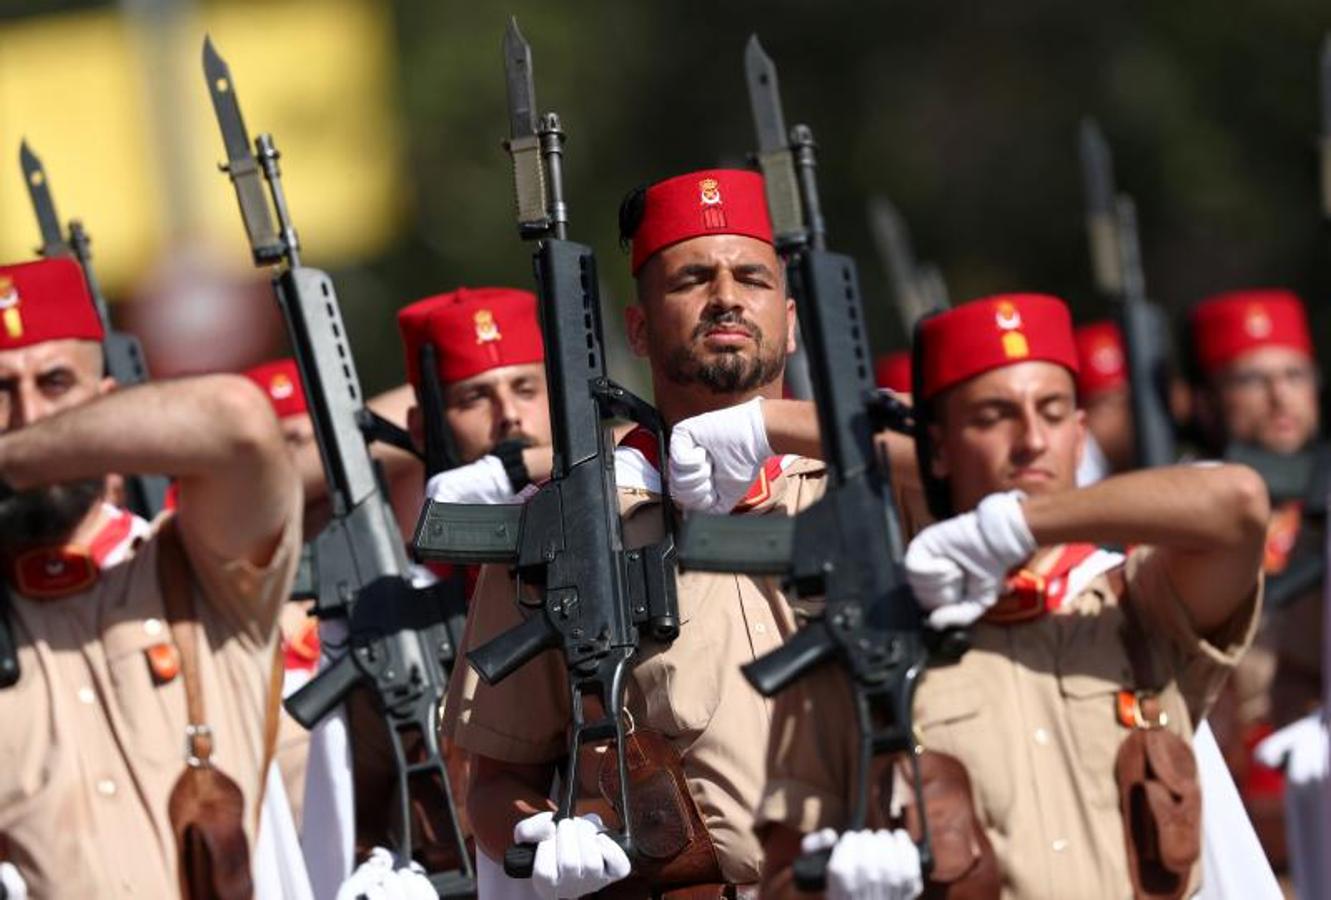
(598, 600)
(399, 641)
(1111, 228)
(121, 351)
(871, 625)
(918, 288)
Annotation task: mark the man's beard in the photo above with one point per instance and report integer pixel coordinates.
(729, 371)
(46, 515)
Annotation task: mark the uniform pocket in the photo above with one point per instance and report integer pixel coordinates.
(955, 718)
(144, 705)
(1090, 699)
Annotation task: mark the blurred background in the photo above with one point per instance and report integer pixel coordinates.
(390, 115)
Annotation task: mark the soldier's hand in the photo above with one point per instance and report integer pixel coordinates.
(869, 865)
(12, 885)
(482, 481)
(956, 567)
(574, 856)
(1299, 748)
(380, 878)
(715, 457)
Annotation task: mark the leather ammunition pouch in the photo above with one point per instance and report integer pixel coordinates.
(965, 867)
(675, 856)
(1160, 798)
(206, 807)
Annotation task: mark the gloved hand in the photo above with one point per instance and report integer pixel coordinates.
(573, 856)
(715, 457)
(869, 865)
(956, 567)
(482, 481)
(1300, 748)
(12, 882)
(379, 878)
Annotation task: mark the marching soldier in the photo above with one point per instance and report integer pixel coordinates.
(1084, 664)
(714, 321)
(1102, 391)
(145, 653)
(1257, 384)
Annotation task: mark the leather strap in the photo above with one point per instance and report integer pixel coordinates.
(1140, 707)
(272, 719)
(178, 598)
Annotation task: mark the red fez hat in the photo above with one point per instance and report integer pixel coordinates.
(997, 331)
(280, 380)
(46, 300)
(473, 330)
(713, 201)
(1226, 326)
(1102, 358)
(892, 370)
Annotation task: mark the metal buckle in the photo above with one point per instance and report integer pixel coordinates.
(192, 734)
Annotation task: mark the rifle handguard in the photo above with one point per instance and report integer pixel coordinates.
(503, 655)
(757, 545)
(519, 860)
(773, 672)
(323, 692)
(468, 533)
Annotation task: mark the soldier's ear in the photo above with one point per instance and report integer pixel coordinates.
(106, 385)
(635, 326)
(792, 320)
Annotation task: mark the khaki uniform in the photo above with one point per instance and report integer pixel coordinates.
(1030, 712)
(691, 691)
(91, 747)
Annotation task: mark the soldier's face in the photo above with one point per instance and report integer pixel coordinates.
(1109, 419)
(714, 313)
(45, 378)
(1268, 397)
(1017, 427)
(504, 403)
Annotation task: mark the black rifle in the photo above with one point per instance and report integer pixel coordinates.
(871, 624)
(1111, 227)
(400, 645)
(145, 494)
(598, 600)
(918, 288)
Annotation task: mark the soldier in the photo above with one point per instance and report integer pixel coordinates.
(1102, 390)
(715, 323)
(1063, 634)
(1256, 386)
(128, 634)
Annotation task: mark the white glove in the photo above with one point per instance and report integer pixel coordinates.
(869, 865)
(379, 878)
(573, 856)
(956, 567)
(15, 887)
(1300, 748)
(715, 457)
(483, 481)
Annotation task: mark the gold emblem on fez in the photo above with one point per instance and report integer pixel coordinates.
(9, 310)
(1257, 323)
(281, 387)
(1008, 320)
(1107, 358)
(709, 192)
(487, 329)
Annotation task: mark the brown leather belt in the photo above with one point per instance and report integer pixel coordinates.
(633, 889)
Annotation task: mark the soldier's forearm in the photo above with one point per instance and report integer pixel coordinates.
(500, 796)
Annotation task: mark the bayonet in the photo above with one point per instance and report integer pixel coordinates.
(774, 151)
(1097, 169)
(34, 176)
(524, 142)
(241, 164)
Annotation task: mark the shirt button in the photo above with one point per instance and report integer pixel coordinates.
(106, 787)
(1059, 845)
(87, 695)
(760, 628)
(1041, 736)
(152, 627)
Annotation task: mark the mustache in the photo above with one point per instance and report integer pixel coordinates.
(728, 318)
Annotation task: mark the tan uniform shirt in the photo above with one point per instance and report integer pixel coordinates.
(691, 691)
(1030, 712)
(90, 746)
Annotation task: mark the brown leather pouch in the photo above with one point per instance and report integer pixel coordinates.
(965, 867)
(669, 835)
(206, 807)
(1160, 799)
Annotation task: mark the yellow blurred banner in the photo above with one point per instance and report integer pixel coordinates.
(117, 109)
